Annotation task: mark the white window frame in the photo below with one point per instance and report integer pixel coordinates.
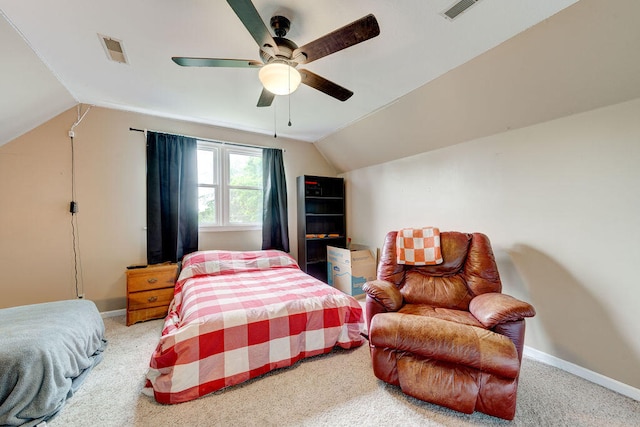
(222, 185)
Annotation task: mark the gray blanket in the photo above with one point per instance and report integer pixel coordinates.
(46, 351)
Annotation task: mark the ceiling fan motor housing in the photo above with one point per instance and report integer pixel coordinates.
(286, 48)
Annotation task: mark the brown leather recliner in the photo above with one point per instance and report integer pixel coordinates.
(445, 333)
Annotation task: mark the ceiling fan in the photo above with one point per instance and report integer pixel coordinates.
(280, 56)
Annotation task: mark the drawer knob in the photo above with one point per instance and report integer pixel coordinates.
(152, 299)
(152, 280)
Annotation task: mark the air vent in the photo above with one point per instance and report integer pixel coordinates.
(454, 11)
(113, 49)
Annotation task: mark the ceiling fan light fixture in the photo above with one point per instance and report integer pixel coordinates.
(279, 78)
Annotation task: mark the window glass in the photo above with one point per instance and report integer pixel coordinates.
(245, 206)
(207, 212)
(245, 170)
(206, 166)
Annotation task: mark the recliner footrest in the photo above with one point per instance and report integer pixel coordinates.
(446, 341)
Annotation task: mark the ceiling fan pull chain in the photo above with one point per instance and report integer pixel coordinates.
(275, 133)
(289, 96)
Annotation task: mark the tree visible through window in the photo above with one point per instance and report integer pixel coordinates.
(229, 185)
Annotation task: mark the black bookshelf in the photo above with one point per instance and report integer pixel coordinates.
(321, 221)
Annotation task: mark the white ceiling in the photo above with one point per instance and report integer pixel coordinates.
(416, 45)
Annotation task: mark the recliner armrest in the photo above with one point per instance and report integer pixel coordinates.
(494, 308)
(385, 293)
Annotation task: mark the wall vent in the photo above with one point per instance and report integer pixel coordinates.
(113, 48)
(459, 7)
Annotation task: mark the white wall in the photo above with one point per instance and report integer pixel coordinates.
(560, 202)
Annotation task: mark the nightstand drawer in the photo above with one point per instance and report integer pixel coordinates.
(153, 298)
(151, 278)
(136, 316)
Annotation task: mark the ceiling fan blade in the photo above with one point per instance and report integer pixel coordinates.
(266, 98)
(358, 31)
(251, 19)
(324, 85)
(216, 62)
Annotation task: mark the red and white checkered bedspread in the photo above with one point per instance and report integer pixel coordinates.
(238, 315)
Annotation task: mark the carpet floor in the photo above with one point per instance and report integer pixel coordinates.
(338, 389)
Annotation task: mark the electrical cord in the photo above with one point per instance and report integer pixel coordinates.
(73, 208)
(74, 223)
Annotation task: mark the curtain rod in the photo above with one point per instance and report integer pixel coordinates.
(204, 139)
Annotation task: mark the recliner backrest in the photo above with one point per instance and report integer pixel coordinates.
(468, 269)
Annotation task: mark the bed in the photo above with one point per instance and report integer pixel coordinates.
(238, 315)
(46, 352)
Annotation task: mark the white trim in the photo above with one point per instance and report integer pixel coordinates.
(113, 313)
(581, 372)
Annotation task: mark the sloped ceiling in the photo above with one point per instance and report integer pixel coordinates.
(53, 58)
(585, 57)
(29, 93)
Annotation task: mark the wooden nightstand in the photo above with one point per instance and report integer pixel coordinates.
(150, 291)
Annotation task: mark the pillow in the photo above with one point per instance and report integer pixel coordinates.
(216, 262)
(418, 246)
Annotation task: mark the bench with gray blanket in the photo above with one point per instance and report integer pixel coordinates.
(46, 351)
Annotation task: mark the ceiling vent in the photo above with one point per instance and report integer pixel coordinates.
(113, 49)
(454, 11)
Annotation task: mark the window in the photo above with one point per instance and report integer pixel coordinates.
(229, 186)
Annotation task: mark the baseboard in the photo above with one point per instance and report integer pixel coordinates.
(113, 313)
(581, 372)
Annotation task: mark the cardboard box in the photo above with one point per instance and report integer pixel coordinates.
(349, 269)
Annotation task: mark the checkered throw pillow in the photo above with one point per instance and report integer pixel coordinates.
(419, 246)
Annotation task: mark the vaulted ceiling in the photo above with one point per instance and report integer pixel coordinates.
(53, 58)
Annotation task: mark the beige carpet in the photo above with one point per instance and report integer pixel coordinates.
(332, 390)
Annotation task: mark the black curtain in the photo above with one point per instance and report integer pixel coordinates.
(275, 220)
(172, 197)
